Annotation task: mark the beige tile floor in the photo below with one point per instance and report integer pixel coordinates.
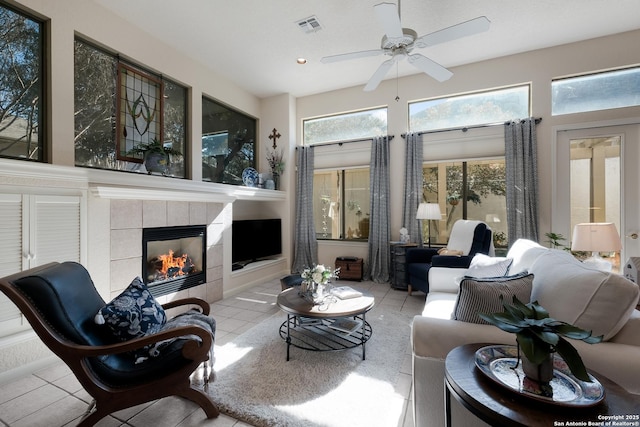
(53, 397)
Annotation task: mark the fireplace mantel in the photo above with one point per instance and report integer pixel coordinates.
(123, 185)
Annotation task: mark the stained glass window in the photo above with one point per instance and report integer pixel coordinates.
(140, 121)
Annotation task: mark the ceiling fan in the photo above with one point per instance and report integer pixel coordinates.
(399, 42)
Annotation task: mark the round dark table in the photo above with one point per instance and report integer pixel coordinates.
(498, 406)
(299, 330)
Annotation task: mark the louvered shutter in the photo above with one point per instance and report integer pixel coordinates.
(11, 229)
(35, 230)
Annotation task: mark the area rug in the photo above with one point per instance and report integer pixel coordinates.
(255, 383)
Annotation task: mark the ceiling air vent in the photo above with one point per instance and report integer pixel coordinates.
(309, 25)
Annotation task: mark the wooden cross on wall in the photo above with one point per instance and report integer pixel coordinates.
(274, 135)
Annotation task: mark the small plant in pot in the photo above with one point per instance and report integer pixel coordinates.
(539, 336)
(155, 155)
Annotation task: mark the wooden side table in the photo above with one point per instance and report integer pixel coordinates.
(498, 406)
(398, 270)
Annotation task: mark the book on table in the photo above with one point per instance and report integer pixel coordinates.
(346, 292)
(346, 325)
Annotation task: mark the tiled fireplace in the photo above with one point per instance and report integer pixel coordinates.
(187, 224)
(174, 258)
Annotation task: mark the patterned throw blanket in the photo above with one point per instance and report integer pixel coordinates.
(190, 318)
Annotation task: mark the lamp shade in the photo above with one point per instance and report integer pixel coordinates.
(428, 211)
(596, 237)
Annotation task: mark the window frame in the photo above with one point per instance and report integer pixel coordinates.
(459, 96)
(588, 76)
(343, 203)
(338, 116)
(126, 162)
(43, 92)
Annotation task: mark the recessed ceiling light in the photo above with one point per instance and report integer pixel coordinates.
(301, 61)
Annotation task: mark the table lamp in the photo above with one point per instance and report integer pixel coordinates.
(596, 237)
(429, 211)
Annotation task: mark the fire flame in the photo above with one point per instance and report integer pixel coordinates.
(174, 264)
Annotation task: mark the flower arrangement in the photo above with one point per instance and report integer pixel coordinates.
(276, 162)
(314, 280)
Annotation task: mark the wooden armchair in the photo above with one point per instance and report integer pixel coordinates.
(60, 301)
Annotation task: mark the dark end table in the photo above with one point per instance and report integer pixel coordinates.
(498, 406)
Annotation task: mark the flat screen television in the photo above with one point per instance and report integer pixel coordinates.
(255, 239)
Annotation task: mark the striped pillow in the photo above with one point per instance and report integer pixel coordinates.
(482, 295)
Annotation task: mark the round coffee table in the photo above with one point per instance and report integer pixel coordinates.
(498, 406)
(335, 325)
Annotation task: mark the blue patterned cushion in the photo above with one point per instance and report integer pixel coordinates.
(134, 313)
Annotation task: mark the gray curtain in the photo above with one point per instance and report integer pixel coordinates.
(412, 186)
(521, 158)
(305, 246)
(379, 234)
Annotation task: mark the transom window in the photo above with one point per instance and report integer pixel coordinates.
(22, 94)
(598, 91)
(343, 127)
(459, 111)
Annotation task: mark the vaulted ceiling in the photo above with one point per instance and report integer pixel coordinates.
(255, 43)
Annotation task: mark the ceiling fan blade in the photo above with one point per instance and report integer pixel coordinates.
(429, 67)
(377, 77)
(387, 14)
(467, 28)
(352, 55)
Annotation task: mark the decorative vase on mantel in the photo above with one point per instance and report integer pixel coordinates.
(276, 180)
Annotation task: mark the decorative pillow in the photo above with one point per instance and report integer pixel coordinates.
(485, 266)
(445, 251)
(133, 314)
(482, 295)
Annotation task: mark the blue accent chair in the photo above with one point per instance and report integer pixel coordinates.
(469, 237)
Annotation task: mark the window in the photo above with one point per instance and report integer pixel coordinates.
(105, 139)
(343, 127)
(22, 94)
(466, 190)
(228, 143)
(472, 109)
(600, 91)
(341, 204)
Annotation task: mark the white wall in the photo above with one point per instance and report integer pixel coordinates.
(536, 67)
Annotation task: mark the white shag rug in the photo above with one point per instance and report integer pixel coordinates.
(255, 383)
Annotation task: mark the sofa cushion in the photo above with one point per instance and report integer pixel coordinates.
(524, 253)
(482, 295)
(486, 266)
(575, 293)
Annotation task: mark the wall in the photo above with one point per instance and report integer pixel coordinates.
(536, 67)
(119, 204)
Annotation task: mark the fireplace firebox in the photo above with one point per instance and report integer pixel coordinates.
(174, 258)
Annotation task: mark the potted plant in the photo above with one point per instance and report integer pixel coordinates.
(539, 336)
(155, 155)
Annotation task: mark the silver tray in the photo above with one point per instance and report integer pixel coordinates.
(500, 364)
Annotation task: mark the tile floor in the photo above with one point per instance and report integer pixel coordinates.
(53, 397)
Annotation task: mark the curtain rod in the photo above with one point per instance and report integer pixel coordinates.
(323, 144)
(466, 128)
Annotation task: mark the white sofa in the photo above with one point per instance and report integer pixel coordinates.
(602, 302)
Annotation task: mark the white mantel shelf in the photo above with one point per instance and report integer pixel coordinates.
(122, 185)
